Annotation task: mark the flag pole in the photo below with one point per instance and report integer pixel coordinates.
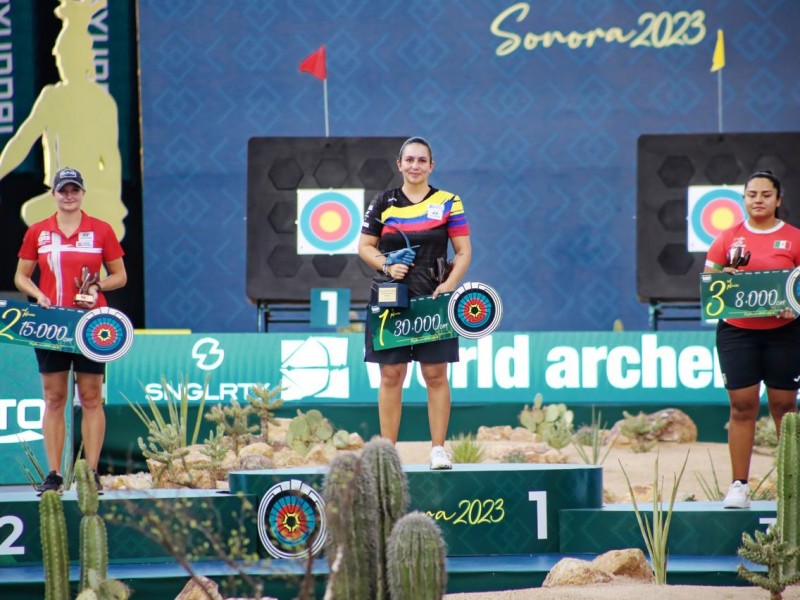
(325, 97)
(719, 99)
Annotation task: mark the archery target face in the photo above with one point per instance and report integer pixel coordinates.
(104, 334)
(474, 310)
(291, 520)
(329, 221)
(711, 210)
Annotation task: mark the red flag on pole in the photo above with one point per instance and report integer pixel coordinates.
(315, 64)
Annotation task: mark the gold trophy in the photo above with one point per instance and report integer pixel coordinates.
(87, 279)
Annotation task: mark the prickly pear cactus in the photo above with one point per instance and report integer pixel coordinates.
(53, 528)
(552, 423)
(308, 429)
(350, 510)
(416, 559)
(391, 485)
(789, 485)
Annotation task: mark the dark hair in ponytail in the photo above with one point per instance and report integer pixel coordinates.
(766, 175)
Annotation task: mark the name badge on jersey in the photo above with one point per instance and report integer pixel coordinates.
(44, 238)
(85, 239)
(435, 212)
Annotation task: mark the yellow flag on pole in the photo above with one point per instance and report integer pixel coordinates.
(719, 52)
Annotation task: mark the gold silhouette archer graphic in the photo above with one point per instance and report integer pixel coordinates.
(76, 119)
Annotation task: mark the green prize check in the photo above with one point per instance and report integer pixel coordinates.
(102, 334)
(748, 293)
(425, 320)
(31, 325)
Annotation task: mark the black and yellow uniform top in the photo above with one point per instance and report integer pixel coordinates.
(429, 223)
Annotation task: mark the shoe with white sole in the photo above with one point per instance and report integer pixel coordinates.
(738, 496)
(440, 459)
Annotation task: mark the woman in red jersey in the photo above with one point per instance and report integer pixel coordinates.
(64, 247)
(759, 349)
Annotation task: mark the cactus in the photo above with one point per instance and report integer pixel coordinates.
(341, 439)
(552, 423)
(53, 527)
(770, 550)
(93, 538)
(307, 430)
(350, 510)
(416, 559)
(789, 485)
(391, 485)
(234, 419)
(265, 402)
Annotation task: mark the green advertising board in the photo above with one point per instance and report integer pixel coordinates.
(574, 368)
(21, 412)
(503, 369)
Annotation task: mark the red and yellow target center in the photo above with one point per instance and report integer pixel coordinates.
(722, 218)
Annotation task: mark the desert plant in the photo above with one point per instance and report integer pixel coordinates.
(308, 429)
(234, 419)
(789, 486)
(53, 527)
(714, 493)
(264, 403)
(93, 537)
(391, 487)
(643, 431)
(190, 531)
(593, 439)
(177, 421)
(465, 449)
(771, 550)
(351, 512)
(766, 435)
(514, 456)
(552, 423)
(656, 535)
(416, 559)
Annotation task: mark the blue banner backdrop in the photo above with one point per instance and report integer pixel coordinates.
(533, 110)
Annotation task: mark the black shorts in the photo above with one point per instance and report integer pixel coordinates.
(430, 353)
(749, 356)
(53, 361)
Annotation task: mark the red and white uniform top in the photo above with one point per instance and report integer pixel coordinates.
(61, 258)
(770, 250)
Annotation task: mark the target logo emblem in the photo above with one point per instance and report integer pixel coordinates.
(712, 210)
(329, 221)
(104, 334)
(291, 520)
(474, 310)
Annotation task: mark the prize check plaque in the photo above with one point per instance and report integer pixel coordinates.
(103, 334)
(473, 311)
(749, 293)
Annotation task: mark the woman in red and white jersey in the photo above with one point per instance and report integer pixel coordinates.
(64, 247)
(759, 349)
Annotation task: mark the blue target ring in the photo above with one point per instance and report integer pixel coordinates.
(702, 212)
(338, 207)
(104, 334)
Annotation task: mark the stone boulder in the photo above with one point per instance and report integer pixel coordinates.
(677, 427)
(573, 571)
(200, 588)
(630, 562)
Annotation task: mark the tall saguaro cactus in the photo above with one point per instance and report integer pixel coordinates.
(349, 493)
(391, 486)
(789, 485)
(53, 528)
(93, 536)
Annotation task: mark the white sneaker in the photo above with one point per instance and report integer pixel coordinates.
(440, 459)
(738, 496)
